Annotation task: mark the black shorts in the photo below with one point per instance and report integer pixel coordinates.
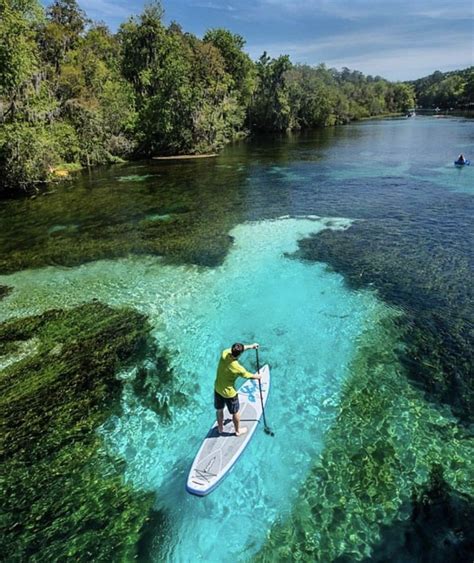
(232, 404)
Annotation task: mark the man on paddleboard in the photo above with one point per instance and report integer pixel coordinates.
(225, 394)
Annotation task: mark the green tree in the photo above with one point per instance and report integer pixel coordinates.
(184, 94)
(237, 63)
(154, 62)
(62, 31)
(311, 97)
(468, 93)
(403, 97)
(143, 42)
(445, 90)
(271, 108)
(18, 51)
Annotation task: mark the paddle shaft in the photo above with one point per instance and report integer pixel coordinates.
(267, 430)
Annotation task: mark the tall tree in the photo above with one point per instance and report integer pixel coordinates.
(65, 24)
(237, 63)
(18, 51)
(271, 108)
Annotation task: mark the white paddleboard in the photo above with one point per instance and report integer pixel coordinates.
(218, 453)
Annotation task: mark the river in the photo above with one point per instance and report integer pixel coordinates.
(348, 254)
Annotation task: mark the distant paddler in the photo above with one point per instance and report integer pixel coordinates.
(225, 393)
(461, 161)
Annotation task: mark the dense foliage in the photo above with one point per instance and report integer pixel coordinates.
(291, 96)
(73, 94)
(446, 90)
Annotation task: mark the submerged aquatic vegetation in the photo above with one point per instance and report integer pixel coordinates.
(59, 482)
(4, 291)
(429, 282)
(182, 216)
(157, 393)
(435, 530)
(379, 457)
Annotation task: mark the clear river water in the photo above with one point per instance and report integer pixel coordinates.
(332, 249)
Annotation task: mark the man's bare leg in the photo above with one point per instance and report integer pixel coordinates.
(220, 420)
(236, 419)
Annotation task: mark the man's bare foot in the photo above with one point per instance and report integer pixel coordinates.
(220, 430)
(241, 431)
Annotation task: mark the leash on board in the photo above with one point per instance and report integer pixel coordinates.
(266, 429)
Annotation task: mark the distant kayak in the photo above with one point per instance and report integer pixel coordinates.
(218, 453)
(462, 163)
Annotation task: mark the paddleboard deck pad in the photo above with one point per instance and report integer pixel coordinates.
(219, 452)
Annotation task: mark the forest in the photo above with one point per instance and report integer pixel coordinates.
(446, 90)
(74, 94)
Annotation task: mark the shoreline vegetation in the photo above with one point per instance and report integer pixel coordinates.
(73, 94)
(59, 385)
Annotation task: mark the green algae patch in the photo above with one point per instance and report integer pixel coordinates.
(427, 280)
(181, 213)
(435, 530)
(64, 497)
(135, 178)
(378, 458)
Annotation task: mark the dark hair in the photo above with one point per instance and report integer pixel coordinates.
(237, 349)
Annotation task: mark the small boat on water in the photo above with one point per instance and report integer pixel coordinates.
(462, 162)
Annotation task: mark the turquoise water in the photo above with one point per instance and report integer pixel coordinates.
(308, 324)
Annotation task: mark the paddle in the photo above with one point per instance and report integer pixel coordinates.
(266, 429)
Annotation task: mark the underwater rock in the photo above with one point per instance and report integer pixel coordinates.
(158, 217)
(62, 229)
(136, 177)
(65, 498)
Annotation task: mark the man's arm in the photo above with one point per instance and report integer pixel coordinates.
(253, 346)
